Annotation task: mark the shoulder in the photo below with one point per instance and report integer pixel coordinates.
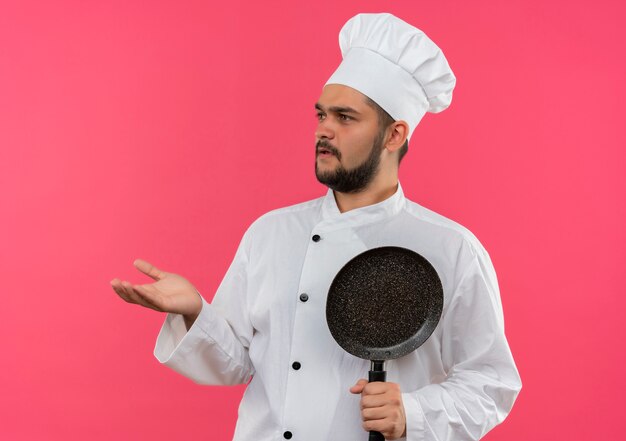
(468, 257)
(445, 227)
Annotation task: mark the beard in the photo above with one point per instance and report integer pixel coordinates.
(352, 180)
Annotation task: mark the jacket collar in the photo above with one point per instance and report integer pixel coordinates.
(332, 217)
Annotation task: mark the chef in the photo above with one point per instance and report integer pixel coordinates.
(266, 324)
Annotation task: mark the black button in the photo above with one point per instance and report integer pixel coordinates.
(304, 297)
(287, 435)
(316, 238)
(296, 365)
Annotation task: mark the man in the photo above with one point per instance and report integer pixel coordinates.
(267, 320)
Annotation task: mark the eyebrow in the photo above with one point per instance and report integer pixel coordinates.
(337, 109)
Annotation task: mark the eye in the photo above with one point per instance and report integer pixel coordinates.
(320, 116)
(344, 117)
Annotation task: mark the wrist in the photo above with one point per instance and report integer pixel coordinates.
(189, 320)
(191, 317)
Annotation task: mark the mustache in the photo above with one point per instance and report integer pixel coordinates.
(331, 148)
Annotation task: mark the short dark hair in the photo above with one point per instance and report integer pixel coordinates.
(384, 121)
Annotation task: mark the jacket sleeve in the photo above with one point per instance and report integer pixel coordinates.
(215, 349)
(482, 381)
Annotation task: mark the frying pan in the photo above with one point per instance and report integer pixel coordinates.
(383, 304)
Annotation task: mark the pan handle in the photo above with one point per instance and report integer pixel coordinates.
(377, 373)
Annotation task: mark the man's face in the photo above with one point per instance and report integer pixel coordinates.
(348, 140)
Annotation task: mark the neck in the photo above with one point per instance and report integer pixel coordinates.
(374, 193)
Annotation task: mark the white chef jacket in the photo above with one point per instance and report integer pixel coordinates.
(457, 386)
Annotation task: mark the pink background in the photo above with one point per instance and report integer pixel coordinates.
(161, 130)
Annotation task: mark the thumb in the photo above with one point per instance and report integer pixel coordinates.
(359, 386)
(148, 269)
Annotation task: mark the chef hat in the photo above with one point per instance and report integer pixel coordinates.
(394, 64)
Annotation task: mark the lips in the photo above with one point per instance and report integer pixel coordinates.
(323, 149)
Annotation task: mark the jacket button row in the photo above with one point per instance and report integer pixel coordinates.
(287, 435)
(304, 297)
(316, 238)
(296, 365)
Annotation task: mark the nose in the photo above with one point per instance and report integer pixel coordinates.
(324, 130)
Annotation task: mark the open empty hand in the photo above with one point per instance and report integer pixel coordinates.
(169, 293)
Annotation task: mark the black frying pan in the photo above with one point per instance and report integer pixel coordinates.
(383, 304)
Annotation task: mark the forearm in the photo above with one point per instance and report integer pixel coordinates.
(207, 351)
(191, 317)
(482, 381)
(464, 407)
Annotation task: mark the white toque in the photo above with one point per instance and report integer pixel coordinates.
(396, 65)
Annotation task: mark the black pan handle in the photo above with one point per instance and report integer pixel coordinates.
(377, 373)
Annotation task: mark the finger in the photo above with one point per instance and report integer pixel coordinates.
(119, 289)
(149, 269)
(115, 284)
(383, 426)
(358, 387)
(124, 287)
(134, 296)
(374, 413)
(149, 295)
(142, 300)
(379, 387)
(371, 401)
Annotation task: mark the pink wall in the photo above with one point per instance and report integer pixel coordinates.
(160, 130)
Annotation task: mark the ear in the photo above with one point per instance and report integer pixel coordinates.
(398, 132)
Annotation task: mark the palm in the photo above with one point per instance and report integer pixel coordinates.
(172, 293)
(169, 293)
